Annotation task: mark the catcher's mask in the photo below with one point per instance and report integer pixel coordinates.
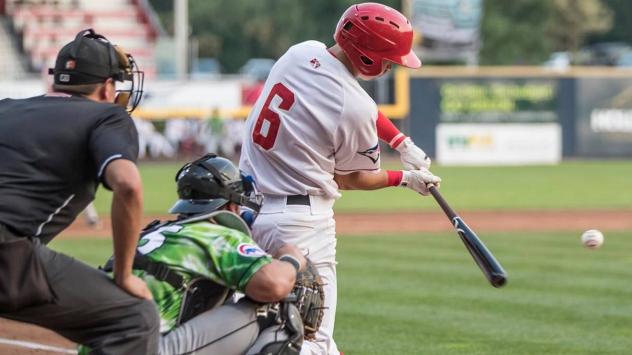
(210, 182)
(91, 58)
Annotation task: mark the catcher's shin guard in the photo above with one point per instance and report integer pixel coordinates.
(288, 319)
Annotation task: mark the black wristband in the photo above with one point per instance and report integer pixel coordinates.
(292, 260)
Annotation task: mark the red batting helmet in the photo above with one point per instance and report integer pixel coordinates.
(370, 33)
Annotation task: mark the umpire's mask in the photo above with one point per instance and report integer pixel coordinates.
(209, 183)
(92, 59)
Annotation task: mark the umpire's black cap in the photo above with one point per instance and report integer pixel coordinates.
(89, 59)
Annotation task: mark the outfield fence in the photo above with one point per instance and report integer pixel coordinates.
(521, 115)
(459, 115)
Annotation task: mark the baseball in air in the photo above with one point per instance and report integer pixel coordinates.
(592, 239)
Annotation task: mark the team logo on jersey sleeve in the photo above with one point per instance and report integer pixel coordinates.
(315, 63)
(250, 250)
(372, 153)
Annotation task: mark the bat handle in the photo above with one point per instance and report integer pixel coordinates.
(442, 202)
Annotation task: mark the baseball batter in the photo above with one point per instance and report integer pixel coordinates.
(315, 131)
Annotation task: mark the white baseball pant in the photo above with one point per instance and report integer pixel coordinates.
(313, 230)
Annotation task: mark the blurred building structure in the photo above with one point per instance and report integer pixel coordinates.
(448, 30)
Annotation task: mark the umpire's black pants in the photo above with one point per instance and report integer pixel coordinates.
(89, 308)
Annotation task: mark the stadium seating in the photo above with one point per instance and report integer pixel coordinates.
(44, 26)
(10, 66)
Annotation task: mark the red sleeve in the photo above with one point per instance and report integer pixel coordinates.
(387, 131)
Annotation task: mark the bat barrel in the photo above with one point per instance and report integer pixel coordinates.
(498, 280)
(485, 260)
(488, 264)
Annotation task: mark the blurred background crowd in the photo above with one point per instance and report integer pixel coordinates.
(206, 61)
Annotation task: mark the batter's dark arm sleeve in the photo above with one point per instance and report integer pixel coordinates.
(113, 137)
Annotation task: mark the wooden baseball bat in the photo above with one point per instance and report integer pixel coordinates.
(484, 258)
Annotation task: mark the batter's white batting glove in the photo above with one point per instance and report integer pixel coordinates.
(412, 156)
(418, 180)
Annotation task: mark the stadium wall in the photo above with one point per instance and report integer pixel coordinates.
(514, 115)
(459, 115)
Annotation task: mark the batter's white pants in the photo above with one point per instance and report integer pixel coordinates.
(313, 230)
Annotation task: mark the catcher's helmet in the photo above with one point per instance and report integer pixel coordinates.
(209, 183)
(370, 33)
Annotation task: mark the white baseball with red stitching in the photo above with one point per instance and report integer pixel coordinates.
(592, 239)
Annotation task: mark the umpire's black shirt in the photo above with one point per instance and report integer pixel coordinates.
(53, 153)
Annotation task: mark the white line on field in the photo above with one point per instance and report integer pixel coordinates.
(36, 346)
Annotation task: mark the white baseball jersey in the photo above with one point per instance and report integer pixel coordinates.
(311, 120)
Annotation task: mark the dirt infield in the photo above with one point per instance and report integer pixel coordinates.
(349, 224)
(363, 224)
(10, 330)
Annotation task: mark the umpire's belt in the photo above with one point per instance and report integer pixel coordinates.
(7, 233)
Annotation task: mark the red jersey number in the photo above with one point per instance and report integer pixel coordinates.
(268, 122)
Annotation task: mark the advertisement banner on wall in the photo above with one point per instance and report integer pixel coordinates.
(484, 100)
(487, 100)
(604, 117)
(498, 143)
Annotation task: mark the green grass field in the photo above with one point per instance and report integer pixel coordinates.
(424, 295)
(571, 185)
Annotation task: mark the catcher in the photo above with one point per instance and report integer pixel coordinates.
(192, 266)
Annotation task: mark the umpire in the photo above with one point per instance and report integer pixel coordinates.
(54, 151)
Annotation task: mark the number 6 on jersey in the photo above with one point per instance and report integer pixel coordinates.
(268, 122)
